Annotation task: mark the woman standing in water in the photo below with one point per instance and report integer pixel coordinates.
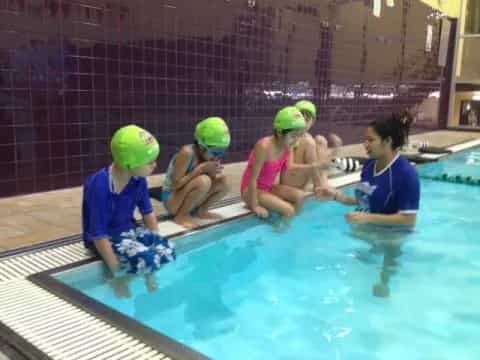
(389, 191)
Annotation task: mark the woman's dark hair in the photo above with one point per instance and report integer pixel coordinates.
(396, 127)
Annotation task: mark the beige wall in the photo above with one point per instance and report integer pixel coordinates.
(427, 113)
(459, 97)
(469, 70)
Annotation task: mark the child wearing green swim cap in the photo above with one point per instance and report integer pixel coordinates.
(110, 197)
(309, 149)
(194, 178)
(269, 158)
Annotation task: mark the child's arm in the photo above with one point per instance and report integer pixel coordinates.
(95, 206)
(119, 280)
(150, 221)
(144, 204)
(314, 166)
(180, 176)
(342, 198)
(260, 153)
(104, 248)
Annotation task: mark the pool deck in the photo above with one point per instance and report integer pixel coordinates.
(36, 323)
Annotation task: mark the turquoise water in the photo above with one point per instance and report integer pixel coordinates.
(258, 292)
(464, 164)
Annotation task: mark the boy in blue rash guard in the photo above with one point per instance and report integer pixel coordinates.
(389, 191)
(110, 197)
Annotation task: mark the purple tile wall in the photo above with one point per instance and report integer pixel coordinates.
(72, 72)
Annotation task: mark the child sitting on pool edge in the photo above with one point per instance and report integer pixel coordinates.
(269, 158)
(194, 178)
(110, 197)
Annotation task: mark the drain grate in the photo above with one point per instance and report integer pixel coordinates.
(21, 266)
(62, 331)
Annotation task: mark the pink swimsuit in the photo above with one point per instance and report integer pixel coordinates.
(268, 174)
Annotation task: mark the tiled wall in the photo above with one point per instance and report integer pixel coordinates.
(71, 72)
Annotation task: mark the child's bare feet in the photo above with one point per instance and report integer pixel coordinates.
(151, 282)
(381, 290)
(205, 214)
(121, 286)
(282, 225)
(186, 221)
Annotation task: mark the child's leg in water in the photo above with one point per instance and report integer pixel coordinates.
(151, 282)
(294, 196)
(273, 202)
(288, 206)
(165, 253)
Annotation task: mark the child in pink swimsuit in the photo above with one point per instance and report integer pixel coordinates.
(269, 157)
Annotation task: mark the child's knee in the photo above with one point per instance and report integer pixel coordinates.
(221, 184)
(203, 183)
(166, 250)
(321, 142)
(299, 197)
(335, 140)
(289, 211)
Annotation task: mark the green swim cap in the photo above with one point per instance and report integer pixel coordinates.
(213, 132)
(308, 106)
(133, 147)
(289, 118)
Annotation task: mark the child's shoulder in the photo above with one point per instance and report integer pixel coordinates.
(98, 181)
(307, 139)
(186, 150)
(264, 143)
(98, 177)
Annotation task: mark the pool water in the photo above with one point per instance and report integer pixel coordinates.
(464, 164)
(251, 290)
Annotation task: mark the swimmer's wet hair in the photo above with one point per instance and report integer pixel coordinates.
(396, 127)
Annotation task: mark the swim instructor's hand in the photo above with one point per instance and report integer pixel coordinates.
(356, 217)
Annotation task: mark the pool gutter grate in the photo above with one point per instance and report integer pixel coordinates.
(21, 266)
(61, 330)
